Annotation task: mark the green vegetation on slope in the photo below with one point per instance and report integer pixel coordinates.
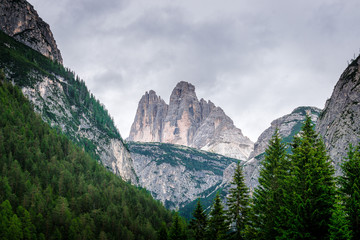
(193, 159)
(51, 189)
(26, 67)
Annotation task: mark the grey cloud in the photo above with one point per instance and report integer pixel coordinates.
(257, 60)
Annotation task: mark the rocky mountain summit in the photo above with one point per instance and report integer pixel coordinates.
(189, 122)
(339, 122)
(288, 125)
(19, 20)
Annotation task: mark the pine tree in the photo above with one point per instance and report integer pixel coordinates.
(162, 233)
(267, 197)
(199, 222)
(310, 197)
(176, 230)
(350, 187)
(339, 227)
(217, 223)
(238, 203)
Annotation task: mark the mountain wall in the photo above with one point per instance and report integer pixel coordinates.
(177, 175)
(64, 101)
(339, 122)
(19, 20)
(189, 122)
(288, 125)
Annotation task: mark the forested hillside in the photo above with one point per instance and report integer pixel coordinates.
(63, 100)
(52, 189)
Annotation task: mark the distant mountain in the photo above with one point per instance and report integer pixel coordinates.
(339, 122)
(189, 122)
(288, 125)
(177, 175)
(19, 20)
(63, 100)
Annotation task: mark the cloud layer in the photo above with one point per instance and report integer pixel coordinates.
(258, 60)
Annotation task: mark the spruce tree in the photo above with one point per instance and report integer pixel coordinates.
(350, 188)
(199, 222)
(238, 203)
(310, 197)
(267, 196)
(176, 230)
(217, 223)
(339, 227)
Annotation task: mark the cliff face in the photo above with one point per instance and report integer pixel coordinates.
(149, 116)
(189, 122)
(339, 122)
(65, 103)
(19, 20)
(177, 175)
(288, 125)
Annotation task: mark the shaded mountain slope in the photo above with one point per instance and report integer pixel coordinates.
(64, 101)
(53, 190)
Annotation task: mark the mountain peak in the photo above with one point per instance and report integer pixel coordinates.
(188, 121)
(20, 20)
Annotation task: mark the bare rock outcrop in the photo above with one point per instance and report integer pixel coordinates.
(19, 20)
(339, 123)
(288, 126)
(189, 122)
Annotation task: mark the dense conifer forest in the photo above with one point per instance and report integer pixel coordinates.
(52, 189)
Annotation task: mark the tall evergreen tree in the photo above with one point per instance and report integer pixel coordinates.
(177, 229)
(267, 197)
(218, 226)
(199, 222)
(350, 187)
(238, 203)
(339, 227)
(310, 197)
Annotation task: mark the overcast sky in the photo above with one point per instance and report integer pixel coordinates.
(256, 59)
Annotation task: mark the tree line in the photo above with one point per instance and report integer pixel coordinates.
(298, 197)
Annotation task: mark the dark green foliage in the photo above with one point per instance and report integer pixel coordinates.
(350, 189)
(339, 223)
(51, 189)
(218, 225)
(239, 204)
(26, 67)
(199, 222)
(268, 196)
(177, 230)
(163, 234)
(310, 189)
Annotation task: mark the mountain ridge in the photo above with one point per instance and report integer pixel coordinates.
(188, 121)
(20, 20)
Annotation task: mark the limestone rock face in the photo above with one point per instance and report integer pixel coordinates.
(177, 175)
(148, 120)
(51, 102)
(189, 122)
(339, 122)
(65, 103)
(288, 125)
(19, 20)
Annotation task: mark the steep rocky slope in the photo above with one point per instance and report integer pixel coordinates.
(64, 101)
(20, 20)
(177, 175)
(189, 122)
(288, 125)
(339, 122)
